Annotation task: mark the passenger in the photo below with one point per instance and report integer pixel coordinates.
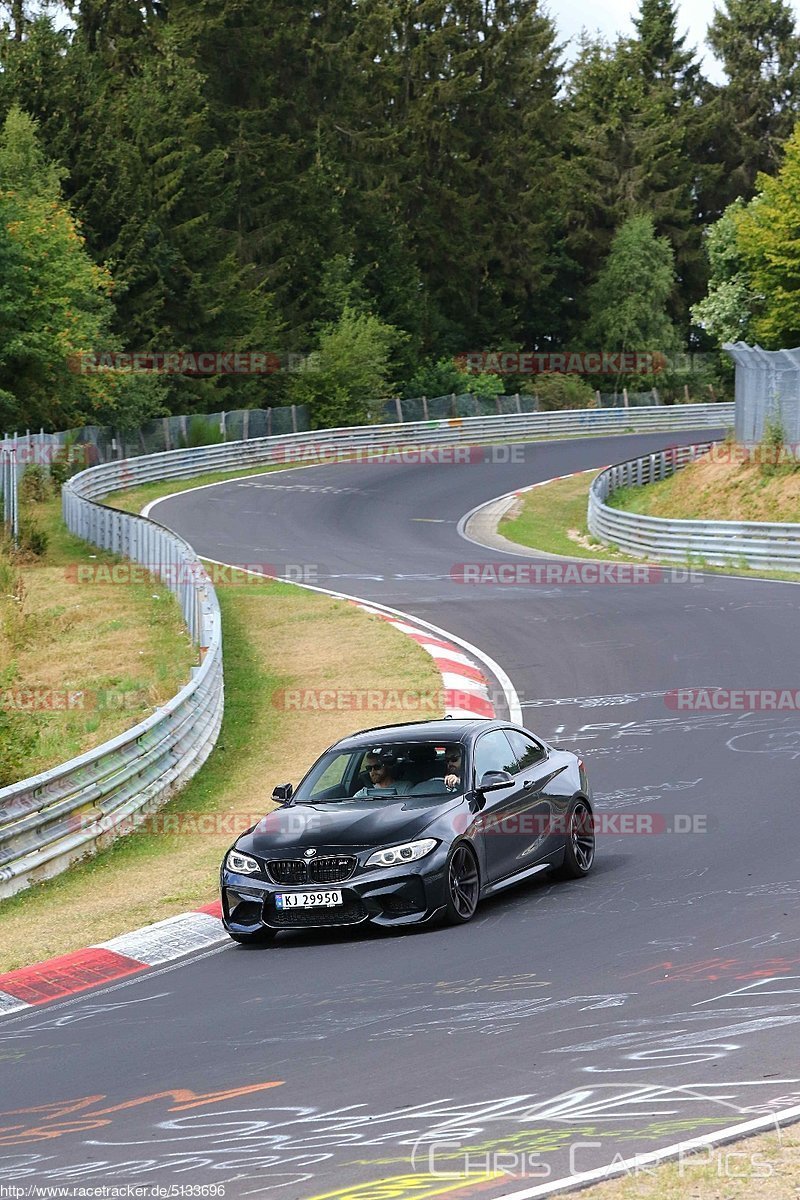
(453, 762)
(381, 777)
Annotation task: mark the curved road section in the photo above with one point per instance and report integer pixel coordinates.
(569, 1024)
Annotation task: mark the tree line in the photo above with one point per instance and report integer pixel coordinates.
(382, 184)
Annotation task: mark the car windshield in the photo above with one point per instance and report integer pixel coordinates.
(385, 771)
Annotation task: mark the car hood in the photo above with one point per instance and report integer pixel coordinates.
(343, 825)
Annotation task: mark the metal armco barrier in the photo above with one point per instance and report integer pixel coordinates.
(774, 546)
(55, 818)
(330, 443)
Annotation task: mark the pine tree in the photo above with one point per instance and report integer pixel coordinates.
(54, 301)
(759, 48)
(149, 182)
(472, 124)
(641, 139)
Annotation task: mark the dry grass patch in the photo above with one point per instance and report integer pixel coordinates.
(81, 662)
(276, 637)
(757, 1168)
(719, 487)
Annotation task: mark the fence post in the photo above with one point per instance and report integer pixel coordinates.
(519, 405)
(13, 490)
(294, 419)
(222, 426)
(625, 398)
(398, 406)
(246, 424)
(425, 412)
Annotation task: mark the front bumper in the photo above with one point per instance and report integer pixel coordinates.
(387, 896)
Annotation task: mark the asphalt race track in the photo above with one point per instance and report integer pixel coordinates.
(569, 1023)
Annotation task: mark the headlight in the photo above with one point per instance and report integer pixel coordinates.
(393, 855)
(242, 864)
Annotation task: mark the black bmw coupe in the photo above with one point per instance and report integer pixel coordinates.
(407, 824)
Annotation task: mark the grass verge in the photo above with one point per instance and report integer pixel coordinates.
(79, 661)
(276, 637)
(719, 487)
(765, 1167)
(553, 519)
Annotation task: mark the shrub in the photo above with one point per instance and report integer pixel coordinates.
(559, 392)
(33, 540)
(35, 484)
(775, 457)
(203, 432)
(67, 461)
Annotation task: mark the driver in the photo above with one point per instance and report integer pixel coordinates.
(381, 766)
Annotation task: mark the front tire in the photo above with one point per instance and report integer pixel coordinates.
(463, 886)
(579, 848)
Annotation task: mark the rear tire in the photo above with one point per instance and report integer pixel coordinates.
(579, 846)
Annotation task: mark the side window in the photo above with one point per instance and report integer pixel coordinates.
(332, 775)
(527, 752)
(493, 753)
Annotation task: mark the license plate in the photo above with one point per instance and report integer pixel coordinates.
(307, 899)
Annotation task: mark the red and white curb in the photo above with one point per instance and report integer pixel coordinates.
(112, 960)
(465, 687)
(466, 694)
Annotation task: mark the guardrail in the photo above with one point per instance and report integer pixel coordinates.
(328, 443)
(771, 545)
(53, 819)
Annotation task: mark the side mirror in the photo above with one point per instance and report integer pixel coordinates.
(283, 792)
(493, 781)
